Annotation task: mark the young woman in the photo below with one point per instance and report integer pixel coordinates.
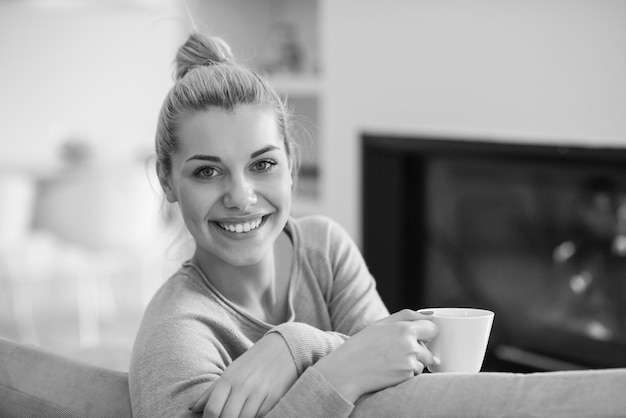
(271, 316)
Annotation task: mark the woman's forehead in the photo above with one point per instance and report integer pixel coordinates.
(242, 130)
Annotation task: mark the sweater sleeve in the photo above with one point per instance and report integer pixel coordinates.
(312, 397)
(173, 364)
(306, 343)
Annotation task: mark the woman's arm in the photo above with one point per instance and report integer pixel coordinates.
(172, 364)
(261, 383)
(252, 384)
(181, 356)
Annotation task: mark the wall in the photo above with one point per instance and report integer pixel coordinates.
(98, 70)
(247, 25)
(514, 70)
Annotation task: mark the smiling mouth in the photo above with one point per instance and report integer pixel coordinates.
(241, 228)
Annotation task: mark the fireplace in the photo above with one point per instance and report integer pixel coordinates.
(536, 233)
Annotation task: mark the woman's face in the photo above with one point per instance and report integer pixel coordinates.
(232, 180)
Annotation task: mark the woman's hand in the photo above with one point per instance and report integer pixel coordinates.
(383, 354)
(252, 384)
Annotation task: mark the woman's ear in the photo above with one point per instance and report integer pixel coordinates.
(165, 181)
(292, 175)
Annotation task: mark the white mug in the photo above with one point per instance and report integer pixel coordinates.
(462, 340)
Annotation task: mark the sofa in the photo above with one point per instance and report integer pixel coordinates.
(37, 383)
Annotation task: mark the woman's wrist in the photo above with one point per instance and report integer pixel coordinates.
(338, 378)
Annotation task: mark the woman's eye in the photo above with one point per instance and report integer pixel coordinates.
(264, 165)
(206, 172)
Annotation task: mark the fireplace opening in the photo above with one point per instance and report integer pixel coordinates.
(536, 233)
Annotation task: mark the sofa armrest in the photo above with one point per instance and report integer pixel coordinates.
(37, 383)
(588, 393)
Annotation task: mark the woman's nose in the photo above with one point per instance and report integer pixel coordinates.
(240, 194)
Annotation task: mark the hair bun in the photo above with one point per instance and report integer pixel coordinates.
(200, 50)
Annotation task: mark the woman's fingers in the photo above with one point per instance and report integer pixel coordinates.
(234, 404)
(257, 379)
(252, 407)
(424, 355)
(415, 327)
(407, 315)
(218, 398)
(266, 406)
(421, 328)
(424, 330)
(419, 368)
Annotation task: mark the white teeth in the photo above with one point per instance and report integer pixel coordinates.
(242, 227)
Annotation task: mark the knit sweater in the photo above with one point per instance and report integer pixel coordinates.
(190, 332)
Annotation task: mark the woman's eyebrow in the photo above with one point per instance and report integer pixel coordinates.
(213, 158)
(263, 150)
(204, 158)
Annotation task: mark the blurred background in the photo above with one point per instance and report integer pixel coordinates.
(83, 240)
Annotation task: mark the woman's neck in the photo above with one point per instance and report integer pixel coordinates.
(262, 288)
